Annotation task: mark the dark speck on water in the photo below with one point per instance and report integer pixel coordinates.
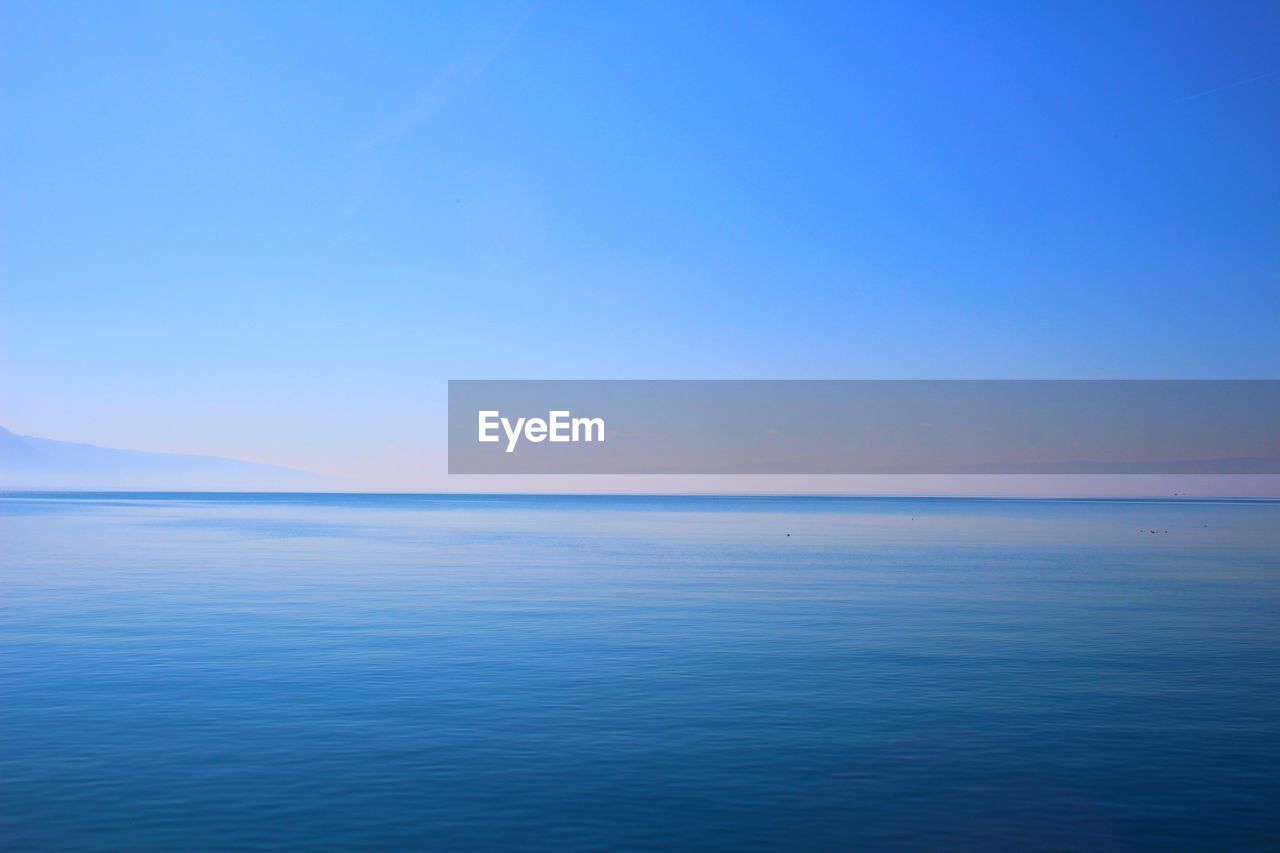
(211, 672)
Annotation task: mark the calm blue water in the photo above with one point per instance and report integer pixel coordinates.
(362, 671)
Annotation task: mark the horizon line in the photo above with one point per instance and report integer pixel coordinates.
(749, 495)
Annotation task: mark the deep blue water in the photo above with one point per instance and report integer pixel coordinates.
(196, 672)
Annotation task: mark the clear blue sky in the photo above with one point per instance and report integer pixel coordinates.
(273, 230)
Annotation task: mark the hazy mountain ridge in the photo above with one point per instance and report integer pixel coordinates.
(33, 463)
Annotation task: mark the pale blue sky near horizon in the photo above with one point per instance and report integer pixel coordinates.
(274, 231)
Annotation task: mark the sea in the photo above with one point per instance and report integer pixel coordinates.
(497, 672)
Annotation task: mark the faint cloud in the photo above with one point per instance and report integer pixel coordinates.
(472, 59)
(1227, 86)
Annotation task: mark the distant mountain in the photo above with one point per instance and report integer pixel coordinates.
(42, 464)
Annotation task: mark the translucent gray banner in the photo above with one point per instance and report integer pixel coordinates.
(864, 427)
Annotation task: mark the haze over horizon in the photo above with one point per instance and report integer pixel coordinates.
(34, 464)
(272, 233)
